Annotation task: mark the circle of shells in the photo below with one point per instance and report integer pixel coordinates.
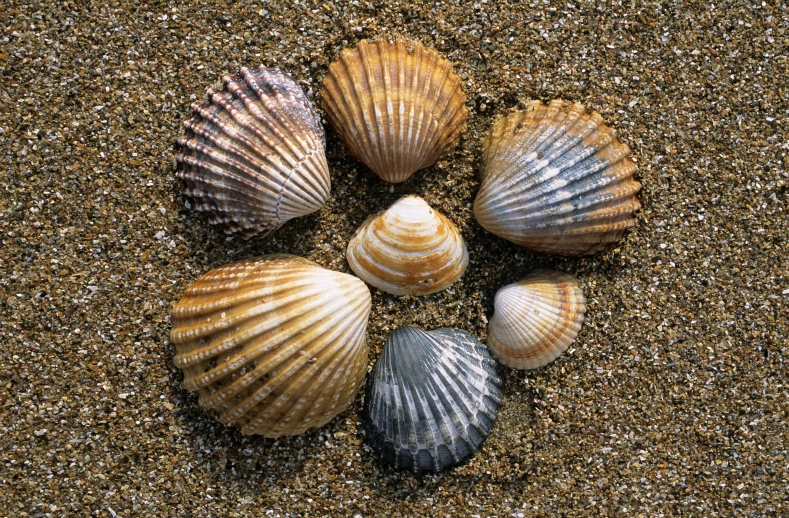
(276, 344)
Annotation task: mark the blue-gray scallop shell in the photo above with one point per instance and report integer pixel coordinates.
(432, 399)
(556, 179)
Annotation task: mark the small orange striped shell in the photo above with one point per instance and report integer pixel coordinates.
(273, 344)
(409, 249)
(397, 111)
(536, 319)
(555, 179)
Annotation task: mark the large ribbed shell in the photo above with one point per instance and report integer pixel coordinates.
(397, 111)
(536, 319)
(274, 344)
(409, 249)
(431, 399)
(253, 157)
(555, 179)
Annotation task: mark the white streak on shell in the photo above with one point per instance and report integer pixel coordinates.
(408, 249)
(555, 179)
(397, 111)
(432, 399)
(274, 344)
(253, 157)
(536, 319)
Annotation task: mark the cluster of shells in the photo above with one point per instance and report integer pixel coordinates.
(276, 344)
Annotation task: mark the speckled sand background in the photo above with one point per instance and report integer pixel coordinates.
(673, 400)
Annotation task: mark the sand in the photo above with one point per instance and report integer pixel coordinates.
(671, 402)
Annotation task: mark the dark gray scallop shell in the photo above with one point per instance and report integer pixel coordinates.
(253, 157)
(431, 399)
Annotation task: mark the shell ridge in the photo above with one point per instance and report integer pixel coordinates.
(445, 111)
(387, 121)
(226, 140)
(366, 130)
(334, 362)
(271, 118)
(242, 125)
(287, 121)
(376, 134)
(261, 335)
(242, 187)
(425, 137)
(313, 198)
(237, 159)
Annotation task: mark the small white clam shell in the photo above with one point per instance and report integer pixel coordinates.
(274, 344)
(253, 157)
(432, 399)
(555, 179)
(536, 319)
(409, 249)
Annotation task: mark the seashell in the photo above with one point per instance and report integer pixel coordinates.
(555, 179)
(253, 157)
(431, 399)
(273, 344)
(397, 111)
(409, 249)
(536, 319)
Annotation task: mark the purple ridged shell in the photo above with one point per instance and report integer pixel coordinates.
(253, 157)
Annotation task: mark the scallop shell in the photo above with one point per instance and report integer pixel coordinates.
(536, 319)
(253, 157)
(273, 344)
(555, 179)
(409, 249)
(431, 400)
(397, 111)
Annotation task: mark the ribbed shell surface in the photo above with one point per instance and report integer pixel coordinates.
(397, 111)
(536, 319)
(555, 179)
(274, 344)
(431, 400)
(409, 249)
(253, 157)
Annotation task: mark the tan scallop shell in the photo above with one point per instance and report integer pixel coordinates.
(253, 157)
(273, 344)
(397, 111)
(409, 249)
(536, 319)
(555, 179)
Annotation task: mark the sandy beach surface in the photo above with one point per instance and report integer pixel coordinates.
(672, 401)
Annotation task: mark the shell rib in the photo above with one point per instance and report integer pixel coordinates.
(536, 319)
(555, 179)
(431, 400)
(397, 111)
(253, 157)
(274, 344)
(409, 249)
